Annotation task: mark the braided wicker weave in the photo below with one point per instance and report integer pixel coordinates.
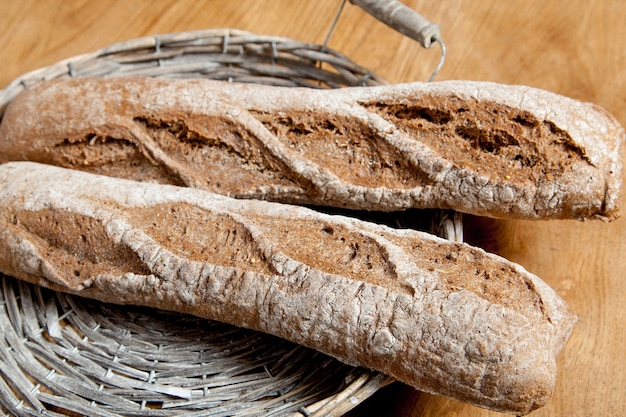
(62, 355)
(226, 54)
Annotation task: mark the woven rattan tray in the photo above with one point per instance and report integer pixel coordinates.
(63, 355)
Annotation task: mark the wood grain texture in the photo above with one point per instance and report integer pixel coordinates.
(571, 47)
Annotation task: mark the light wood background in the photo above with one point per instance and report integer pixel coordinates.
(572, 47)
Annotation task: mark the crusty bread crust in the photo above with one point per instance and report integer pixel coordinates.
(476, 147)
(441, 316)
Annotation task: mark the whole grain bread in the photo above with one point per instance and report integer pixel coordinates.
(475, 147)
(444, 317)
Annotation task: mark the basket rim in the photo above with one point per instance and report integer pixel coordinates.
(157, 42)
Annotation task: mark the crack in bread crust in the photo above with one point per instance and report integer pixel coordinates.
(88, 252)
(227, 157)
(107, 155)
(347, 147)
(495, 139)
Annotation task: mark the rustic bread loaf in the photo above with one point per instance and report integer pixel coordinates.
(475, 147)
(444, 317)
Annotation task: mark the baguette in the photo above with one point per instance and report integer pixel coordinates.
(442, 316)
(475, 147)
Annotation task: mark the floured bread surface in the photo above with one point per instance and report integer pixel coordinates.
(443, 317)
(476, 147)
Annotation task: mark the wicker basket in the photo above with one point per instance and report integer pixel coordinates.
(63, 355)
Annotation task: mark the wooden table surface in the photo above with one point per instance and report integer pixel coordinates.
(573, 47)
